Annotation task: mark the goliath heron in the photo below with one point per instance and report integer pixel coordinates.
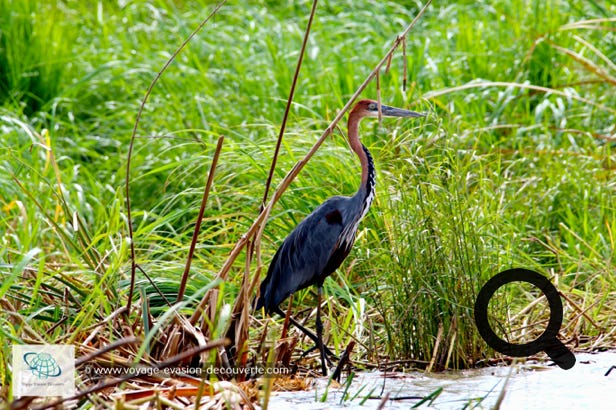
(319, 244)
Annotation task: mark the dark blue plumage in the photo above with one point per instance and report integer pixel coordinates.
(311, 252)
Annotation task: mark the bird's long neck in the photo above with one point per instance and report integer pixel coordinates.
(365, 193)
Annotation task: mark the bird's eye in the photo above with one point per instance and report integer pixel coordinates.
(372, 106)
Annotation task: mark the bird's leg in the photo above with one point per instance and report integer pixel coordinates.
(320, 332)
(328, 353)
(308, 333)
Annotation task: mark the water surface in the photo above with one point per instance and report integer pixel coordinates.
(530, 386)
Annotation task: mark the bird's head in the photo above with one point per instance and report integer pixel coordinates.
(370, 108)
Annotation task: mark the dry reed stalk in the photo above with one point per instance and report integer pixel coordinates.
(238, 328)
(437, 343)
(283, 126)
(195, 237)
(132, 144)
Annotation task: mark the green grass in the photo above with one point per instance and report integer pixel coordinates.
(497, 176)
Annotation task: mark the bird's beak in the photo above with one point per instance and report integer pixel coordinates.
(399, 112)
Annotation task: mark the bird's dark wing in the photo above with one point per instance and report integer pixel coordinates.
(311, 252)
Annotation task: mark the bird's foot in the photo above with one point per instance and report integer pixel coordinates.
(328, 353)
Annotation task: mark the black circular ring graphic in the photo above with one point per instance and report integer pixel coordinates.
(547, 341)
